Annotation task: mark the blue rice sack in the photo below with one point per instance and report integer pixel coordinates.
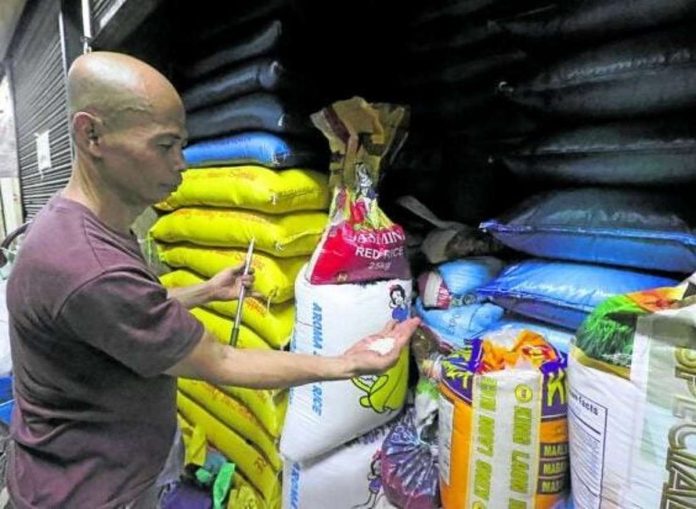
(637, 229)
(453, 283)
(563, 294)
(457, 325)
(255, 147)
(559, 337)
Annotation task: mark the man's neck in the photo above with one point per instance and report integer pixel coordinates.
(108, 208)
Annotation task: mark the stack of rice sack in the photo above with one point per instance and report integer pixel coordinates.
(452, 62)
(618, 220)
(244, 98)
(357, 280)
(213, 215)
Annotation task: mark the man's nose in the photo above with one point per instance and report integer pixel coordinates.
(179, 161)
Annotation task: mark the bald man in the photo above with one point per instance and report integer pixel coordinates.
(97, 343)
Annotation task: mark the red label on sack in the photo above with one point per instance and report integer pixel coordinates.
(350, 255)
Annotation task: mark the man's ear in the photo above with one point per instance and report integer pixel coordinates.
(88, 131)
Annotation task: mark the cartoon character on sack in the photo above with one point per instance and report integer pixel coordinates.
(365, 194)
(385, 392)
(397, 301)
(374, 479)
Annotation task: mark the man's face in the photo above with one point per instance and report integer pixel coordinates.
(143, 158)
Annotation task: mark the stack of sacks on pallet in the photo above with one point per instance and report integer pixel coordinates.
(357, 280)
(213, 215)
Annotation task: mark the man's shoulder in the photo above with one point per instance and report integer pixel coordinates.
(64, 249)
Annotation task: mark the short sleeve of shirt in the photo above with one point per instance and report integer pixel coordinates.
(127, 315)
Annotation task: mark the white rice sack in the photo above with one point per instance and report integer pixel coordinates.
(632, 403)
(346, 478)
(329, 320)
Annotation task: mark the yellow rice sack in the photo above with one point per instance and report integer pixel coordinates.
(268, 406)
(194, 438)
(275, 277)
(251, 187)
(273, 323)
(221, 328)
(250, 462)
(288, 235)
(232, 414)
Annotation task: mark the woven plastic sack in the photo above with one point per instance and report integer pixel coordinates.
(283, 236)
(360, 242)
(272, 322)
(646, 75)
(233, 414)
(503, 437)
(253, 112)
(659, 152)
(195, 445)
(637, 229)
(268, 406)
(251, 187)
(275, 277)
(221, 328)
(457, 325)
(452, 283)
(348, 476)
(561, 293)
(251, 463)
(255, 147)
(557, 337)
(632, 401)
(330, 319)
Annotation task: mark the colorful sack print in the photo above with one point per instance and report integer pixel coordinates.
(360, 243)
(503, 434)
(632, 401)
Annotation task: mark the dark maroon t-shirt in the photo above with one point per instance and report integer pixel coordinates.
(92, 331)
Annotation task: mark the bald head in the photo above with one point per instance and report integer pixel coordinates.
(117, 87)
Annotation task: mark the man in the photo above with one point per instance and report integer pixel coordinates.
(96, 340)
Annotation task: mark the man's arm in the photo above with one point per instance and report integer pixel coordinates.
(192, 296)
(270, 369)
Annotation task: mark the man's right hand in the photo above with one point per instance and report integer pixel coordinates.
(361, 360)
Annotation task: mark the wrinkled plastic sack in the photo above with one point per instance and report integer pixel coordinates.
(274, 277)
(637, 229)
(284, 236)
(562, 293)
(409, 467)
(452, 283)
(252, 188)
(266, 149)
(360, 243)
(457, 325)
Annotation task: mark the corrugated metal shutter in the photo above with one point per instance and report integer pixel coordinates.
(102, 11)
(38, 77)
